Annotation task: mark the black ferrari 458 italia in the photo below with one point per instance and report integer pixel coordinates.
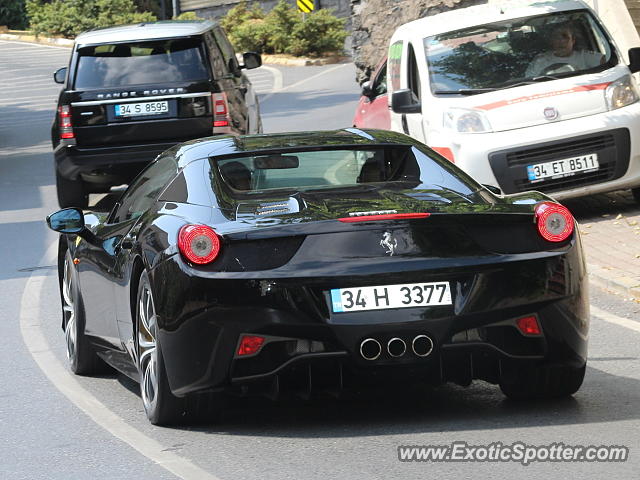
(262, 264)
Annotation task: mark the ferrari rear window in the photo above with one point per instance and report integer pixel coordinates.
(138, 63)
(328, 168)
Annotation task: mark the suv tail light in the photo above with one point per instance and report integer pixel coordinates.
(198, 243)
(64, 121)
(221, 119)
(555, 222)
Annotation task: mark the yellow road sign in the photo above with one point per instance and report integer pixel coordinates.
(306, 6)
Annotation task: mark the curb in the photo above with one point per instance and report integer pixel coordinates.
(59, 42)
(608, 280)
(284, 60)
(288, 61)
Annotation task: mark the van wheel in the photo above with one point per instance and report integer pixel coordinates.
(71, 193)
(636, 194)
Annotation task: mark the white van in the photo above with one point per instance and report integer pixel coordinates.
(523, 96)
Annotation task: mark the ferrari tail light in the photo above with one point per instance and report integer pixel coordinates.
(198, 243)
(250, 344)
(529, 325)
(220, 110)
(555, 222)
(446, 152)
(64, 121)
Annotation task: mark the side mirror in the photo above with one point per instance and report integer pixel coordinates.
(251, 60)
(634, 59)
(493, 189)
(367, 90)
(60, 75)
(69, 220)
(405, 101)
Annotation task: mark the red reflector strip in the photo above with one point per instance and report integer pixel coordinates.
(250, 344)
(220, 123)
(529, 326)
(66, 135)
(388, 216)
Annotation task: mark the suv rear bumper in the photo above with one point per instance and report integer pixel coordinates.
(105, 166)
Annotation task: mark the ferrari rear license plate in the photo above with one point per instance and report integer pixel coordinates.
(390, 296)
(137, 109)
(564, 167)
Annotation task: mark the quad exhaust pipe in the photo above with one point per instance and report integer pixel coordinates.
(371, 349)
(422, 346)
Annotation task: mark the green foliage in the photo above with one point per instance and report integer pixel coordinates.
(283, 30)
(68, 18)
(240, 14)
(188, 16)
(281, 21)
(321, 32)
(12, 14)
(251, 36)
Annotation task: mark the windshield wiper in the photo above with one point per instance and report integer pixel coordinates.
(464, 91)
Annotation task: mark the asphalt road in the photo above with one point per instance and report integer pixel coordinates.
(57, 426)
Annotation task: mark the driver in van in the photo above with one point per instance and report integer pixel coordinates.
(563, 56)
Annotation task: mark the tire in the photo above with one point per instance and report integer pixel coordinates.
(545, 383)
(71, 193)
(81, 356)
(636, 194)
(160, 405)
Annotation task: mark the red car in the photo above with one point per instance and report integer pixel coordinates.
(373, 107)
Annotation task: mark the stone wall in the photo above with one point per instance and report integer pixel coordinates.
(634, 10)
(374, 21)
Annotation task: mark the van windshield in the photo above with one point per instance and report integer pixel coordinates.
(139, 63)
(513, 52)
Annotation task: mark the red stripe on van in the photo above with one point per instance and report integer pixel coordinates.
(580, 88)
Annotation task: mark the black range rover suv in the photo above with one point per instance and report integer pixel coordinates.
(133, 91)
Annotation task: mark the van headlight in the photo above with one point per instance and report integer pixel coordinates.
(466, 121)
(621, 93)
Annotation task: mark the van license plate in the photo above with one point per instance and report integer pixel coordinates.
(390, 296)
(137, 109)
(562, 168)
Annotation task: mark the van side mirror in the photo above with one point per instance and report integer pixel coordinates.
(60, 74)
(634, 59)
(69, 220)
(251, 60)
(367, 91)
(405, 101)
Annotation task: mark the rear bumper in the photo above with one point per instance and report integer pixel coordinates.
(105, 165)
(473, 338)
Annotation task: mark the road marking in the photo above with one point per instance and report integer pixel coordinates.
(277, 77)
(35, 340)
(312, 77)
(616, 320)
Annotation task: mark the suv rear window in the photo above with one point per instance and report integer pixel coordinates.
(138, 63)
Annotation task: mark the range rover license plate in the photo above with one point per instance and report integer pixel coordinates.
(138, 109)
(562, 168)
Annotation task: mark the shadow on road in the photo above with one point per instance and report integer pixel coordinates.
(603, 398)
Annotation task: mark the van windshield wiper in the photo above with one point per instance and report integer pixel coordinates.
(465, 91)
